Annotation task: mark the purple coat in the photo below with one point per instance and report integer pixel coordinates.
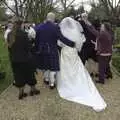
(47, 35)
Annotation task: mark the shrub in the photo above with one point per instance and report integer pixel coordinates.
(116, 62)
(117, 35)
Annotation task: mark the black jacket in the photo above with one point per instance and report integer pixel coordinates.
(19, 51)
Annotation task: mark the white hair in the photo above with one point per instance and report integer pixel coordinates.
(51, 17)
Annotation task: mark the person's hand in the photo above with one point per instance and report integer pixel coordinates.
(88, 23)
(93, 42)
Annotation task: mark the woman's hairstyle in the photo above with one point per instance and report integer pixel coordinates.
(25, 21)
(96, 24)
(12, 34)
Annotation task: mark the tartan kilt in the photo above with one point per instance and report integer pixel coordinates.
(48, 61)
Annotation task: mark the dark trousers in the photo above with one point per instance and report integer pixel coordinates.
(104, 67)
(86, 54)
(23, 74)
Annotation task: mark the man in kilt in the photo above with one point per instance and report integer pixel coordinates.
(47, 35)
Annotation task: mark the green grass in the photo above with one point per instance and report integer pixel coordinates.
(117, 46)
(117, 35)
(4, 65)
(116, 61)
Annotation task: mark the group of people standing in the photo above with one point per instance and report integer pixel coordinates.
(78, 41)
(98, 46)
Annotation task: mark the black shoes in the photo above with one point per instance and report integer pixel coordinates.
(52, 86)
(14, 84)
(34, 92)
(92, 74)
(22, 95)
(46, 82)
(101, 82)
(96, 75)
(109, 76)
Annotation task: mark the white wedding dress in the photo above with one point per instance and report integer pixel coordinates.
(74, 82)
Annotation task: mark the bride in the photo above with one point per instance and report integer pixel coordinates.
(74, 82)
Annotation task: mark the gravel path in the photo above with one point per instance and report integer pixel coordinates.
(49, 106)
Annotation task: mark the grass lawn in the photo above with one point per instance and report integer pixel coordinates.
(4, 65)
(116, 61)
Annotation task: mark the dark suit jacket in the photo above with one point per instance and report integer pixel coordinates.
(47, 35)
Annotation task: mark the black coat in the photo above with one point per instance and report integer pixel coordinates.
(88, 49)
(20, 49)
(22, 63)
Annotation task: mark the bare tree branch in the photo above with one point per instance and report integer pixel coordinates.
(70, 3)
(4, 2)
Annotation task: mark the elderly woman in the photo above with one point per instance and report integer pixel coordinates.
(18, 44)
